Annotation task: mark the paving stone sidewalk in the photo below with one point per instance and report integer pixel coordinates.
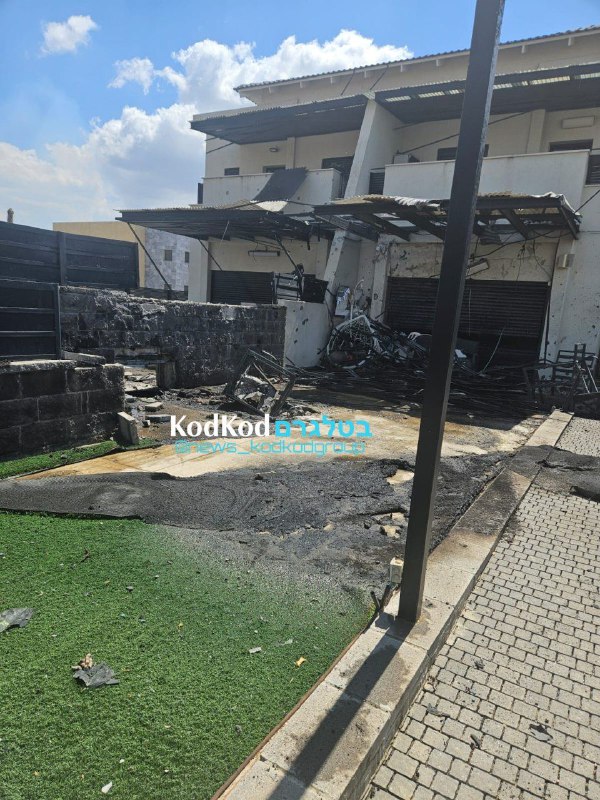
(511, 706)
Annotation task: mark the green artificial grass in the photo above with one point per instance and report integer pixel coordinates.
(192, 702)
(58, 458)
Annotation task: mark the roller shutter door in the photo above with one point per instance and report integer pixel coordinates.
(237, 286)
(506, 315)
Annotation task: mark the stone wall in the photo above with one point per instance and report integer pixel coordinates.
(177, 269)
(203, 341)
(54, 404)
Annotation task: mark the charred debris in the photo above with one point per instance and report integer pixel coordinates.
(364, 356)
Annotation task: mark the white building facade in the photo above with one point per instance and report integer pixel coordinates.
(391, 130)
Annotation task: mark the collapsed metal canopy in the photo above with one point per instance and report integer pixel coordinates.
(247, 220)
(495, 214)
(278, 123)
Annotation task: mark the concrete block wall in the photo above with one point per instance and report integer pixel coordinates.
(204, 341)
(46, 405)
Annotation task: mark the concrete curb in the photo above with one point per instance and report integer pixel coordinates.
(330, 747)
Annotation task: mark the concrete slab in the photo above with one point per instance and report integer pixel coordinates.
(427, 633)
(127, 428)
(550, 430)
(263, 781)
(378, 669)
(395, 435)
(491, 508)
(327, 741)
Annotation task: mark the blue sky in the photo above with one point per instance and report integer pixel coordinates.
(60, 118)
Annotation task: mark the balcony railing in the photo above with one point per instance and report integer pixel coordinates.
(536, 173)
(319, 186)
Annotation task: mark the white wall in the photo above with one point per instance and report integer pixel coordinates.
(537, 173)
(307, 327)
(319, 186)
(234, 255)
(575, 308)
(375, 148)
(304, 151)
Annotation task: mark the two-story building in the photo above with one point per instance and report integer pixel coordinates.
(301, 175)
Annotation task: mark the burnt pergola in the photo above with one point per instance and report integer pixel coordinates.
(249, 221)
(525, 215)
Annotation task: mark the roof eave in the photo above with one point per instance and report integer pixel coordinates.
(418, 59)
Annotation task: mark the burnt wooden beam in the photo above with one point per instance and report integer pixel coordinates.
(516, 222)
(425, 223)
(569, 221)
(383, 225)
(365, 232)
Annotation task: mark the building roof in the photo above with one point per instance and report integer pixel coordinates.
(574, 86)
(387, 64)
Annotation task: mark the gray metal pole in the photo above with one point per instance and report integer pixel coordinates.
(461, 213)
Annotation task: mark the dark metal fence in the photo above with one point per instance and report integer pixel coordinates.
(29, 320)
(35, 254)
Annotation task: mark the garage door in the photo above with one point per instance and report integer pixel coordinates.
(237, 286)
(507, 317)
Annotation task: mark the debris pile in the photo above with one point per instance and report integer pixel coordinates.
(569, 383)
(261, 384)
(365, 355)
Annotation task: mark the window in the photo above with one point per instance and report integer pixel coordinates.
(576, 144)
(593, 171)
(272, 169)
(168, 255)
(231, 171)
(376, 180)
(449, 153)
(186, 257)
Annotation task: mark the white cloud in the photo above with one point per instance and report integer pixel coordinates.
(209, 71)
(139, 159)
(67, 37)
(134, 70)
(144, 159)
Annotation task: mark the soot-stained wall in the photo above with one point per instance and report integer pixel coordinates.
(203, 341)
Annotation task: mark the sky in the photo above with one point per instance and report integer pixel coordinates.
(96, 97)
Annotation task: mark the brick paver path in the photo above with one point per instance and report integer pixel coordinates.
(511, 706)
(582, 436)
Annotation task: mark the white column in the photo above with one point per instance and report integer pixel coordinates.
(536, 130)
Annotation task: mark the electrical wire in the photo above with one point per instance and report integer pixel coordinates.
(374, 84)
(596, 193)
(453, 135)
(210, 255)
(349, 81)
